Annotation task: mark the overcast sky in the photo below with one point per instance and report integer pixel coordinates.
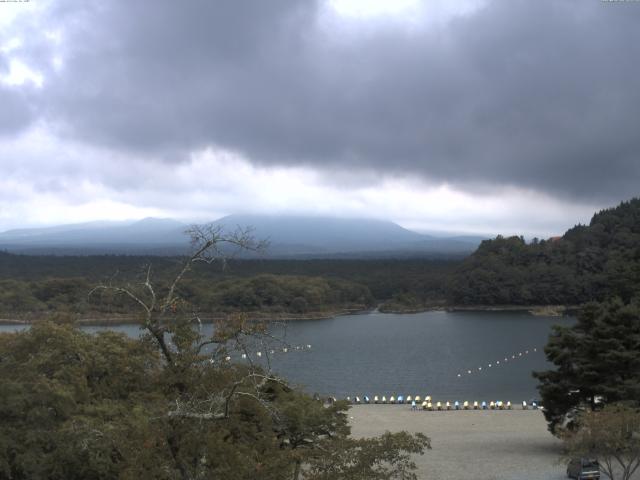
(505, 116)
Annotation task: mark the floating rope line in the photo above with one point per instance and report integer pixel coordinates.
(515, 356)
(269, 352)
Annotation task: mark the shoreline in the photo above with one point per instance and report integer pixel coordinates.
(127, 319)
(123, 319)
(536, 310)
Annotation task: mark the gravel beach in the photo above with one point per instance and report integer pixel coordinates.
(473, 444)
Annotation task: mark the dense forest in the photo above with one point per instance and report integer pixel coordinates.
(37, 285)
(589, 262)
(266, 293)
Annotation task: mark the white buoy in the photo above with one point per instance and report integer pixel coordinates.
(469, 371)
(489, 365)
(479, 368)
(498, 362)
(459, 375)
(308, 345)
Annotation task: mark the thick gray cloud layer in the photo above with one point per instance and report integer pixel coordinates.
(541, 95)
(14, 114)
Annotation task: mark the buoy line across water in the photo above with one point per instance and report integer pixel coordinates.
(497, 363)
(267, 352)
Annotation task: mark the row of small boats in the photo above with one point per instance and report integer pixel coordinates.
(428, 404)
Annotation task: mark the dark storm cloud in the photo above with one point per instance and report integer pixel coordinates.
(540, 95)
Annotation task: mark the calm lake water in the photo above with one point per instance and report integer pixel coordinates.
(413, 354)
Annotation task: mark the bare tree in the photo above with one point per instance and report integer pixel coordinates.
(166, 324)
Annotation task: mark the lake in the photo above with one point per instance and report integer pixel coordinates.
(427, 353)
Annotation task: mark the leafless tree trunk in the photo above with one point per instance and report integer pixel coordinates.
(160, 316)
(207, 242)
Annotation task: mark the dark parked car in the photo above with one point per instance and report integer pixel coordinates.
(583, 469)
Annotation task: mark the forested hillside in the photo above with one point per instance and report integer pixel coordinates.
(589, 262)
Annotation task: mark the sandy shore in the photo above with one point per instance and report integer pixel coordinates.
(482, 445)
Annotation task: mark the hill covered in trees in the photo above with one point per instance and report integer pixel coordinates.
(589, 262)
